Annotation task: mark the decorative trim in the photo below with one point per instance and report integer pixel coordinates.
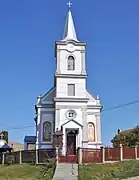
(49, 106)
(71, 75)
(94, 107)
(70, 41)
(68, 107)
(46, 106)
(94, 143)
(73, 121)
(71, 99)
(71, 111)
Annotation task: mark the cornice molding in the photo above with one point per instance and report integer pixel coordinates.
(70, 41)
(71, 75)
(70, 99)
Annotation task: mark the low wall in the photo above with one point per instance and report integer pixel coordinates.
(27, 156)
(87, 155)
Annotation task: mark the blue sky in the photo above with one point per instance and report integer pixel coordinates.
(28, 30)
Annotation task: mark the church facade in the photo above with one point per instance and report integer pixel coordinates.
(68, 106)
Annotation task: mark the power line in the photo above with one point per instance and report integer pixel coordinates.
(16, 128)
(120, 106)
(105, 110)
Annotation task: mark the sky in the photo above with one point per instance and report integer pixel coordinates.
(28, 31)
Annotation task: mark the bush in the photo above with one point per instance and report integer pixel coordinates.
(48, 169)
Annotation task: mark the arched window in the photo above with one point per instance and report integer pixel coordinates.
(91, 132)
(71, 63)
(47, 131)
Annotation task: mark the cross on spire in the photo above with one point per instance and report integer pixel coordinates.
(69, 30)
(69, 4)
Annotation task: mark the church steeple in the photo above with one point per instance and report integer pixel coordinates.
(69, 31)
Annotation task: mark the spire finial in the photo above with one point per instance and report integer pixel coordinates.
(69, 4)
(69, 30)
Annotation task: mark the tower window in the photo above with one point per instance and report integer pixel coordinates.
(71, 63)
(71, 89)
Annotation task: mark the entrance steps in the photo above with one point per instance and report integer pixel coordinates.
(66, 171)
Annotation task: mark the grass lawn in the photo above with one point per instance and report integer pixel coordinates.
(25, 172)
(113, 171)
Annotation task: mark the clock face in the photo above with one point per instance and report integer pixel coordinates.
(71, 114)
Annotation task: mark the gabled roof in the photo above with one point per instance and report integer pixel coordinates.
(72, 121)
(48, 97)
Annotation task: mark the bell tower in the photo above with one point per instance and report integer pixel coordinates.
(70, 76)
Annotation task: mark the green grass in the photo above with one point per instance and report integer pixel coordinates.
(25, 172)
(112, 171)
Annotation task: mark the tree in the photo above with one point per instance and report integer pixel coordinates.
(5, 135)
(127, 138)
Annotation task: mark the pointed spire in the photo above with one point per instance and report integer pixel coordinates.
(69, 31)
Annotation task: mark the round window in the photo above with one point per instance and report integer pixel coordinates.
(71, 114)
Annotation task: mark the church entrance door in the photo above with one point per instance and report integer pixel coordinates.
(71, 143)
(70, 156)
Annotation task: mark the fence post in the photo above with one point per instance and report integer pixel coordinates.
(20, 157)
(136, 155)
(121, 152)
(37, 160)
(3, 158)
(103, 154)
(57, 153)
(80, 156)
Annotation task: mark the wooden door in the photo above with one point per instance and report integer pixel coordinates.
(71, 143)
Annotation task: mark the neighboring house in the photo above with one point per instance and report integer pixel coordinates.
(16, 146)
(68, 107)
(29, 142)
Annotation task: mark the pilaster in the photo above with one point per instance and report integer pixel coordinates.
(57, 118)
(85, 128)
(121, 152)
(38, 129)
(136, 152)
(83, 61)
(98, 128)
(58, 60)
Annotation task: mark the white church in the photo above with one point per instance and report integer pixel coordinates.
(68, 107)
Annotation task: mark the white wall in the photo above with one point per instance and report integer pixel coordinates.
(67, 50)
(80, 87)
(64, 119)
